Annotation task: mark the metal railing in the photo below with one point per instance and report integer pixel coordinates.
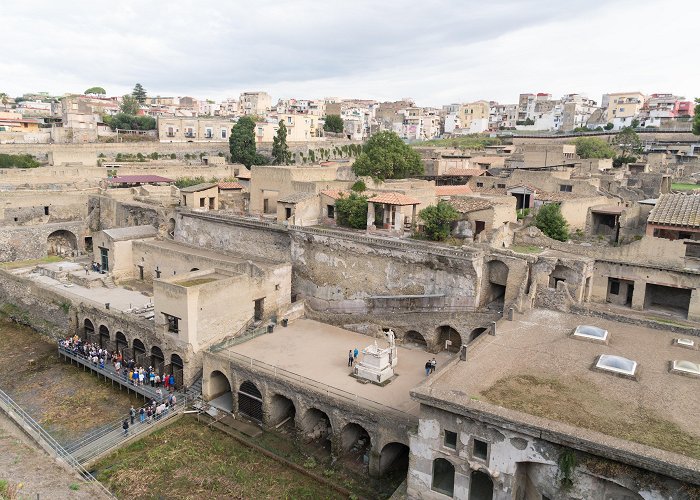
(16, 412)
(307, 383)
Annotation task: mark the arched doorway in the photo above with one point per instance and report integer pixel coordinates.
(393, 460)
(480, 486)
(282, 413)
(177, 369)
(476, 332)
(194, 269)
(219, 391)
(88, 330)
(157, 359)
(104, 337)
(171, 228)
(449, 339)
(122, 344)
(415, 338)
(62, 243)
(355, 443)
(316, 426)
(443, 477)
(250, 401)
(496, 279)
(564, 274)
(139, 352)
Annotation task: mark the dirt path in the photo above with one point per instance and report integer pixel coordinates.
(23, 464)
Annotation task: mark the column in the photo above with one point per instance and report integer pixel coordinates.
(370, 215)
(639, 295)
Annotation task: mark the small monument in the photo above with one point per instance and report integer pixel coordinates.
(377, 365)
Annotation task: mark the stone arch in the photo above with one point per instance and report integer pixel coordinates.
(157, 359)
(443, 477)
(355, 439)
(88, 329)
(563, 273)
(121, 342)
(61, 242)
(495, 283)
(447, 333)
(250, 401)
(171, 228)
(476, 332)
(103, 335)
(393, 459)
(416, 338)
(316, 427)
(480, 486)
(177, 369)
(282, 410)
(139, 352)
(219, 391)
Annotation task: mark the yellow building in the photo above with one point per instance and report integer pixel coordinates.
(624, 105)
(14, 122)
(299, 128)
(474, 116)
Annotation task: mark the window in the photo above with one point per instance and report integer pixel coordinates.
(501, 186)
(223, 133)
(330, 210)
(173, 323)
(479, 184)
(451, 440)
(614, 287)
(480, 449)
(208, 133)
(201, 202)
(565, 188)
(692, 250)
(46, 210)
(443, 477)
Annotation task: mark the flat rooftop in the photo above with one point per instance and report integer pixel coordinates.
(219, 256)
(534, 366)
(320, 352)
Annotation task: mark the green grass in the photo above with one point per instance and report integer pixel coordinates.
(531, 249)
(684, 186)
(31, 262)
(474, 141)
(195, 282)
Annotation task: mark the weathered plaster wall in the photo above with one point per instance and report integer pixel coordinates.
(30, 242)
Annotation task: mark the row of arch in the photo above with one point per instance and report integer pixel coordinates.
(445, 337)
(135, 350)
(443, 481)
(312, 425)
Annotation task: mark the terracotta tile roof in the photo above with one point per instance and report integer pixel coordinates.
(464, 172)
(243, 173)
(198, 187)
(676, 209)
(394, 199)
(495, 161)
(334, 193)
(494, 191)
(465, 205)
(452, 190)
(135, 179)
(230, 185)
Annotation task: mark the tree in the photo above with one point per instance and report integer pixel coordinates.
(280, 150)
(96, 91)
(334, 123)
(130, 122)
(551, 222)
(437, 220)
(696, 119)
(139, 93)
(386, 156)
(242, 143)
(129, 105)
(628, 141)
(634, 124)
(608, 126)
(593, 147)
(352, 211)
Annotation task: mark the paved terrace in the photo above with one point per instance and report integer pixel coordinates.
(320, 352)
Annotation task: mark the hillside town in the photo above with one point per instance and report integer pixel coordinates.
(236, 262)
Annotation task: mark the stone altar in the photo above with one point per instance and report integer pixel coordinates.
(378, 363)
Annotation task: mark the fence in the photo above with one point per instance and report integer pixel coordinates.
(307, 383)
(16, 412)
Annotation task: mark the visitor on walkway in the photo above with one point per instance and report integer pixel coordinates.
(356, 353)
(171, 382)
(132, 414)
(351, 359)
(428, 367)
(125, 426)
(152, 378)
(142, 414)
(433, 364)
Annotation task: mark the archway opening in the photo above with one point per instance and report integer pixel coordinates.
(480, 486)
(194, 269)
(171, 228)
(282, 413)
(476, 332)
(88, 330)
(139, 352)
(356, 444)
(122, 343)
(496, 281)
(563, 274)
(104, 337)
(443, 477)
(250, 401)
(219, 392)
(316, 426)
(157, 359)
(449, 339)
(177, 369)
(415, 338)
(393, 460)
(62, 243)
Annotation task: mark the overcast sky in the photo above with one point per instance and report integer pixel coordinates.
(436, 51)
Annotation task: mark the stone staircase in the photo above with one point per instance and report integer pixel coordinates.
(108, 282)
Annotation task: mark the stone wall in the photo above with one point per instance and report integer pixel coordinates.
(31, 242)
(106, 213)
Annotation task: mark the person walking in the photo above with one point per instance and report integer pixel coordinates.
(125, 426)
(428, 366)
(433, 364)
(355, 353)
(142, 414)
(132, 414)
(350, 358)
(172, 382)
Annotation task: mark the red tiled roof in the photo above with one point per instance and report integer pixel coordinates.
(135, 179)
(394, 199)
(465, 205)
(452, 190)
(676, 209)
(464, 172)
(334, 193)
(230, 185)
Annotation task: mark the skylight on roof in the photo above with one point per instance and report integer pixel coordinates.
(686, 368)
(687, 343)
(617, 365)
(588, 332)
